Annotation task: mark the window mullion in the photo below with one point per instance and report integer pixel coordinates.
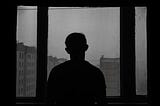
(127, 51)
(42, 34)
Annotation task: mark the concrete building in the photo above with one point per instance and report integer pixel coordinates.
(26, 71)
(30, 71)
(111, 69)
(20, 69)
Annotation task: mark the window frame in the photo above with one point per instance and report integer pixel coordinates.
(125, 7)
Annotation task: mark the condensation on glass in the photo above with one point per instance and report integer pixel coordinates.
(26, 51)
(102, 29)
(141, 50)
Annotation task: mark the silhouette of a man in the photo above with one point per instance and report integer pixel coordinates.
(76, 81)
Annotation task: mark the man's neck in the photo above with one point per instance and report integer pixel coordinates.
(77, 57)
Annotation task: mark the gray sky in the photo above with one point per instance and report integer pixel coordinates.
(27, 25)
(100, 25)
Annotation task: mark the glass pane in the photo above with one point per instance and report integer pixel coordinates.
(141, 51)
(26, 51)
(102, 29)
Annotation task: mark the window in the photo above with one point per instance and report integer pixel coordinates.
(102, 29)
(29, 56)
(42, 42)
(26, 37)
(22, 54)
(141, 50)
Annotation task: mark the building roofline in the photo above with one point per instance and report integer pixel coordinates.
(110, 59)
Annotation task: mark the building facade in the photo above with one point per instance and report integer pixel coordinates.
(26, 70)
(111, 70)
(30, 71)
(20, 70)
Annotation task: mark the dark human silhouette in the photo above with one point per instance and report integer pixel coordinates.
(76, 81)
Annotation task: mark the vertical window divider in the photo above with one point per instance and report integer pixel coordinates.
(42, 35)
(127, 52)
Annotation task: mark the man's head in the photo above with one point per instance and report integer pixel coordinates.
(76, 44)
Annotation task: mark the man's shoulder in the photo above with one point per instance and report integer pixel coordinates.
(62, 65)
(59, 67)
(94, 68)
(70, 64)
(96, 73)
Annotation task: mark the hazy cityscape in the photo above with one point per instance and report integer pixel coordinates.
(26, 71)
(102, 29)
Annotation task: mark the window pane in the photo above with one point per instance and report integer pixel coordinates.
(141, 51)
(102, 29)
(26, 47)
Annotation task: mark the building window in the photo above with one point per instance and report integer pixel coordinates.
(20, 73)
(22, 55)
(19, 63)
(29, 56)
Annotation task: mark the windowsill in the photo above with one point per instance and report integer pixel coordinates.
(140, 100)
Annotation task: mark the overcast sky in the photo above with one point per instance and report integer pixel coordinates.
(100, 25)
(27, 25)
